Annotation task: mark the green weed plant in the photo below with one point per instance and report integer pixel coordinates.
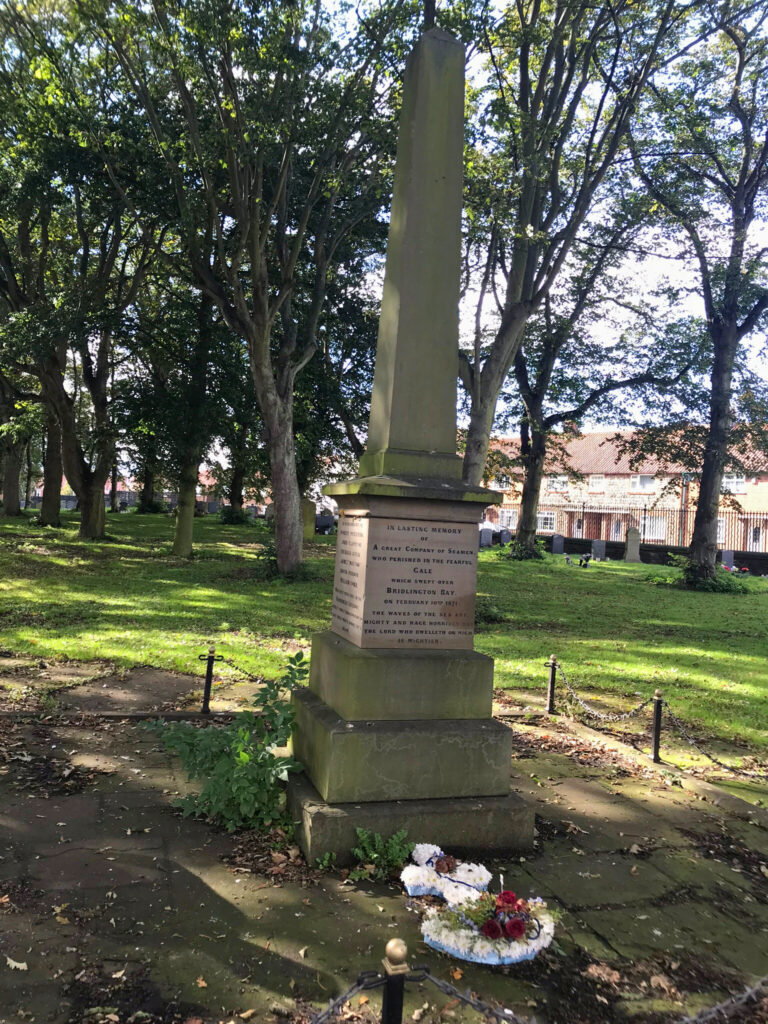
(242, 775)
(379, 858)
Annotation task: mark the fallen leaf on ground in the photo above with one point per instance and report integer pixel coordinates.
(303, 952)
(246, 1014)
(201, 982)
(16, 965)
(362, 1000)
(457, 973)
(602, 972)
(119, 974)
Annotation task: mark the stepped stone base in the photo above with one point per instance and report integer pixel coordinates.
(492, 824)
(399, 760)
(396, 685)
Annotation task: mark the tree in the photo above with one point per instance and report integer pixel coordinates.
(701, 150)
(73, 253)
(272, 129)
(595, 346)
(564, 81)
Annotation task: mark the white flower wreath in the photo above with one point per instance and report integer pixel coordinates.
(465, 884)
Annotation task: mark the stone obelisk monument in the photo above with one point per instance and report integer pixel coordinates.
(395, 729)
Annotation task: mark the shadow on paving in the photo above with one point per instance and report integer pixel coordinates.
(113, 896)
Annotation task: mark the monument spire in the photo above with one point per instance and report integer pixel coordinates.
(412, 430)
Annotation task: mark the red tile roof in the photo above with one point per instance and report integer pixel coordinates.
(595, 452)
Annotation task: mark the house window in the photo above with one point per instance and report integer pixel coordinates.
(597, 482)
(641, 484)
(753, 538)
(720, 530)
(579, 528)
(616, 530)
(508, 518)
(557, 482)
(655, 528)
(545, 522)
(733, 483)
(503, 482)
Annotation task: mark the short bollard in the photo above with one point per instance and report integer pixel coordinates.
(658, 704)
(551, 686)
(210, 658)
(395, 969)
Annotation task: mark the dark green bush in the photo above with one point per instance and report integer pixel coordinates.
(234, 516)
(518, 552)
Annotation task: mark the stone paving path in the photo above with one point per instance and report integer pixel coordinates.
(663, 897)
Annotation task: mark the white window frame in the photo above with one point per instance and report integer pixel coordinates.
(616, 533)
(543, 519)
(733, 483)
(636, 485)
(720, 531)
(659, 534)
(503, 482)
(594, 486)
(557, 482)
(508, 518)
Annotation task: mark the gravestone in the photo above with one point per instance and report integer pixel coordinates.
(558, 544)
(308, 518)
(728, 559)
(486, 538)
(505, 537)
(598, 550)
(395, 729)
(632, 552)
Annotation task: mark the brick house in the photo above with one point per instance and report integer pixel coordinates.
(599, 496)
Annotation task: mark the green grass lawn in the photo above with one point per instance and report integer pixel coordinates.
(128, 600)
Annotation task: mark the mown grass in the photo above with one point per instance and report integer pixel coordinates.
(130, 601)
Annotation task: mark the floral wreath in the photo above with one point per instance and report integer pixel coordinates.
(475, 924)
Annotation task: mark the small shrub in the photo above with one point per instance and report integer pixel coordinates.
(234, 516)
(151, 507)
(723, 582)
(487, 613)
(242, 777)
(327, 862)
(518, 552)
(379, 858)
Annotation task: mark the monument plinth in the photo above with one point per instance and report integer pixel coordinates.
(395, 729)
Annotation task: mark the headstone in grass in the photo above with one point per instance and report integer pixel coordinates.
(632, 551)
(558, 544)
(395, 729)
(728, 559)
(598, 550)
(486, 538)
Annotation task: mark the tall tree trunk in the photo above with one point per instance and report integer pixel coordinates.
(113, 489)
(237, 455)
(28, 484)
(11, 482)
(478, 439)
(147, 494)
(185, 511)
(236, 487)
(92, 523)
(534, 450)
(703, 550)
(50, 509)
(285, 486)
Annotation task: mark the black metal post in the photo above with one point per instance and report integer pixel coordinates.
(395, 969)
(658, 704)
(210, 658)
(551, 685)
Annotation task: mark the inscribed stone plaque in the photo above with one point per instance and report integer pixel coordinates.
(405, 583)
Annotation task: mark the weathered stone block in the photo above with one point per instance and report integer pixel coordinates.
(397, 760)
(476, 824)
(401, 684)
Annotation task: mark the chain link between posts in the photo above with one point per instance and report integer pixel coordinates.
(677, 724)
(374, 979)
(603, 716)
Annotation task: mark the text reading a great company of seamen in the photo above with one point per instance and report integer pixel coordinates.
(405, 583)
